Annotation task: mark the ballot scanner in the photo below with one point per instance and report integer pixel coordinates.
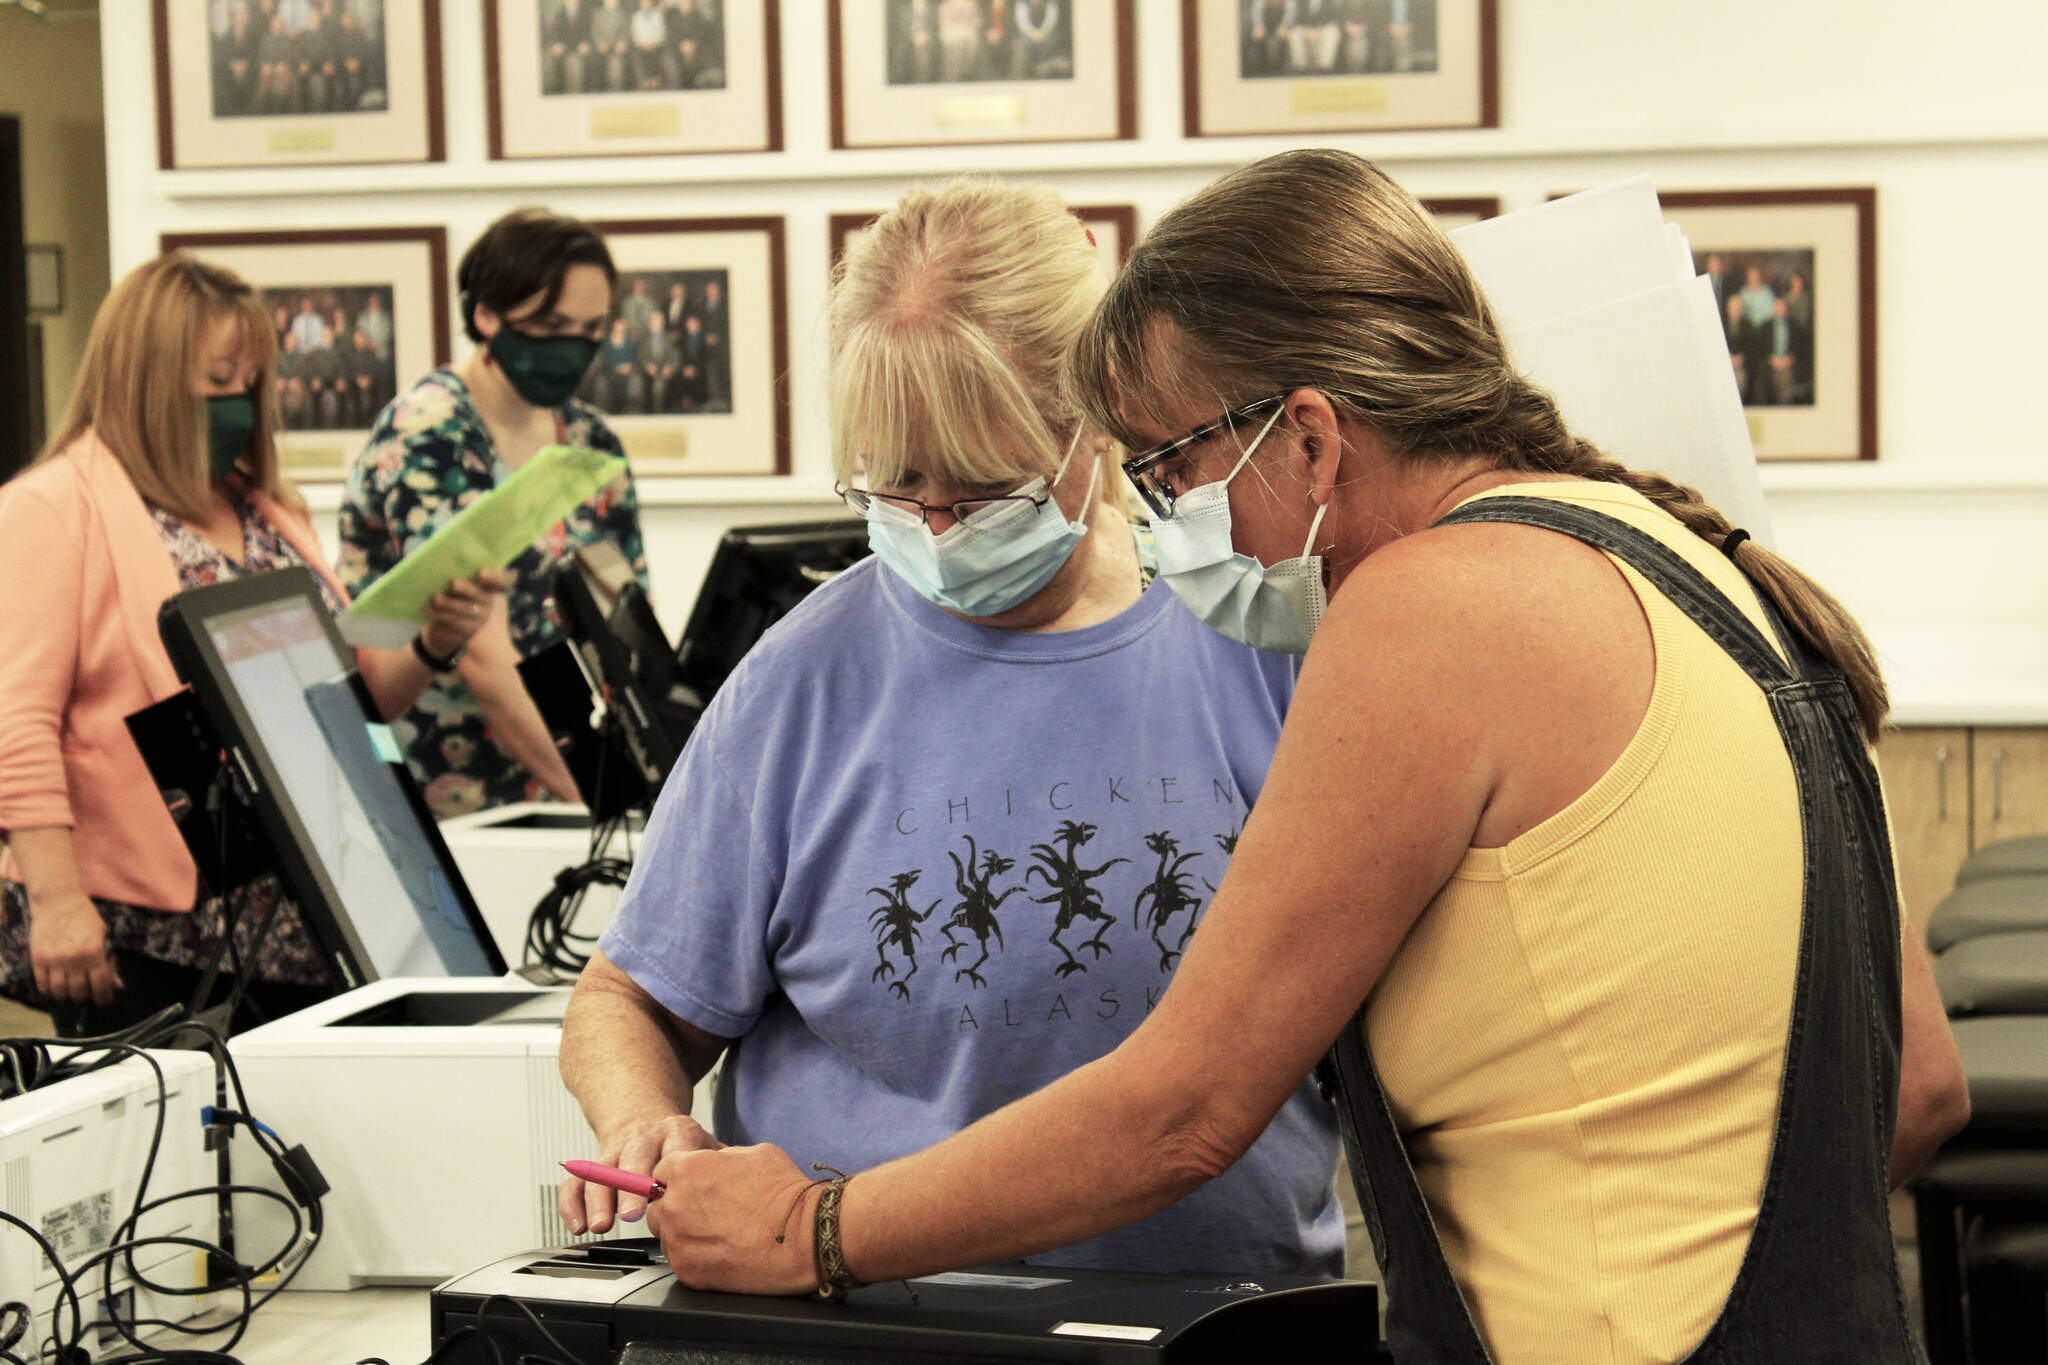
(617, 1301)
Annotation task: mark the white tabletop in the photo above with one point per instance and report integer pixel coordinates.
(310, 1328)
(1965, 675)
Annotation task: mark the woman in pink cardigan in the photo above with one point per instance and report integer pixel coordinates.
(163, 476)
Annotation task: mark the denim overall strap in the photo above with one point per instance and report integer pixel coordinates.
(1818, 1281)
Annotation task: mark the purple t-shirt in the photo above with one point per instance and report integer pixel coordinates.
(919, 868)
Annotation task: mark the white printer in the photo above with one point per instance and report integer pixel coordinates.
(71, 1161)
(436, 1112)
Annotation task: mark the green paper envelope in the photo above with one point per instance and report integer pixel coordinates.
(489, 533)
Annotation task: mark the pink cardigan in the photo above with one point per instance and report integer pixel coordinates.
(82, 573)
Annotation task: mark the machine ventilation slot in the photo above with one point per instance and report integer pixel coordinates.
(560, 1132)
(17, 1184)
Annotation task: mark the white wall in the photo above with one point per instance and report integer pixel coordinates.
(1944, 110)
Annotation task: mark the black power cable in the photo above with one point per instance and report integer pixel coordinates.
(31, 1060)
(551, 939)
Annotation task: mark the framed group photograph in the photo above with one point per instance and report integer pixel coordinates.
(297, 82)
(1452, 214)
(912, 73)
(357, 313)
(633, 77)
(1322, 66)
(1112, 228)
(694, 373)
(1795, 279)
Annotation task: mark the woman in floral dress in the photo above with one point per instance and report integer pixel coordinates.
(536, 295)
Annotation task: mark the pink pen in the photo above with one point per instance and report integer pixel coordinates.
(611, 1177)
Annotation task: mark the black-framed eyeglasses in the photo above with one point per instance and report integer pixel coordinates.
(893, 507)
(1160, 472)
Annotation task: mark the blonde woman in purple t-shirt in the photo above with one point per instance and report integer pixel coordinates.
(930, 848)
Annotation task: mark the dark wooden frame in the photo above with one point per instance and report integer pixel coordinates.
(1125, 216)
(1863, 199)
(430, 54)
(1483, 205)
(771, 35)
(435, 238)
(778, 302)
(1126, 80)
(1191, 81)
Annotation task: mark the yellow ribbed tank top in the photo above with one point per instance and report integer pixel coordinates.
(1582, 1037)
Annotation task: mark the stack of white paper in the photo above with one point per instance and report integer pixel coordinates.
(1601, 306)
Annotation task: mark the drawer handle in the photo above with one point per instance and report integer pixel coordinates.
(1998, 783)
(1941, 781)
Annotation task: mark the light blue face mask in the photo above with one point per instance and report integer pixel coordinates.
(1274, 607)
(987, 563)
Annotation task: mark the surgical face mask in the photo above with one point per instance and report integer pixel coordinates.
(230, 422)
(543, 370)
(1276, 607)
(987, 563)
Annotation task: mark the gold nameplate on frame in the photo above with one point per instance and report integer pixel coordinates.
(982, 111)
(1340, 97)
(638, 120)
(655, 443)
(299, 141)
(296, 456)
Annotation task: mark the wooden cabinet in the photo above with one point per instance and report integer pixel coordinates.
(1927, 787)
(1954, 789)
(2009, 771)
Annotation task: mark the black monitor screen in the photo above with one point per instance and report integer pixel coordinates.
(366, 866)
(757, 577)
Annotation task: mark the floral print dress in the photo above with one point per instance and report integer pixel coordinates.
(429, 456)
(287, 953)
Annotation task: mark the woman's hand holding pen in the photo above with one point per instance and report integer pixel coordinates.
(637, 1147)
(740, 1219)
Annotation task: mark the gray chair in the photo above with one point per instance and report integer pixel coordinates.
(1995, 974)
(1990, 905)
(2006, 1268)
(2006, 1059)
(1996, 1168)
(2007, 858)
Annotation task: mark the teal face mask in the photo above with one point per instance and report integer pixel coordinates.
(230, 422)
(987, 563)
(543, 370)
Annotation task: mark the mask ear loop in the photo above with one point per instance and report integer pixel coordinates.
(1094, 476)
(1246, 458)
(1314, 525)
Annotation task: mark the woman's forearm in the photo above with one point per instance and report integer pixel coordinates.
(515, 722)
(396, 679)
(987, 1194)
(48, 861)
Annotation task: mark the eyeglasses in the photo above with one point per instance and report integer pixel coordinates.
(1160, 472)
(909, 511)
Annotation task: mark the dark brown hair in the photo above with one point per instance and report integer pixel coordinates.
(529, 251)
(1312, 269)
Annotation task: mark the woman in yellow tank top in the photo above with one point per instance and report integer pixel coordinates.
(1572, 846)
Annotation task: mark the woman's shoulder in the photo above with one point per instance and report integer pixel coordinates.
(437, 404)
(430, 424)
(589, 425)
(69, 476)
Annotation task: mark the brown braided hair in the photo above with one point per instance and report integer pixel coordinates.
(1312, 269)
